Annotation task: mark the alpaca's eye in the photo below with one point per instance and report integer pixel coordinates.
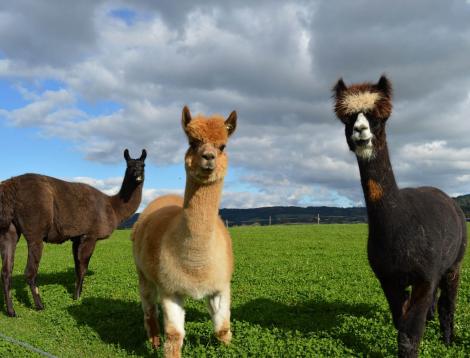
(222, 147)
(194, 144)
(374, 123)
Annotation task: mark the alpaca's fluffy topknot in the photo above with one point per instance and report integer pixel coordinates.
(356, 102)
(211, 129)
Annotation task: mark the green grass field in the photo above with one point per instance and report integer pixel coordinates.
(297, 291)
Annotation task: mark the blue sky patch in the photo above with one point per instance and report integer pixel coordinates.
(124, 14)
(10, 97)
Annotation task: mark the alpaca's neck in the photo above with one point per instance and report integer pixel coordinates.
(201, 208)
(126, 202)
(378, 182)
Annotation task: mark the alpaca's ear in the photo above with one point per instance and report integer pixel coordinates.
(144, 155)
(385, 86)
(231, 123)
(186, 117)
(126, 154)
(339, 88)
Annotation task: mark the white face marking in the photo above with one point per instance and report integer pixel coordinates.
(362, 136)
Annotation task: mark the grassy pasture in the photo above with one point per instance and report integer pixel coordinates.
(298, 291)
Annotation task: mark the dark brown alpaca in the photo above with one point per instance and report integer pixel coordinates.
(417, 236)
(46, 209)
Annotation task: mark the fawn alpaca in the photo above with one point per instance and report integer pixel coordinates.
(181, 246)
(417, 236)
(47, 209)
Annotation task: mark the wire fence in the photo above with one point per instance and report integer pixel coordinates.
(290, 220)
(293, 220)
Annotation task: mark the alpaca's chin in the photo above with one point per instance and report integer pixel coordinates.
(365, 152)
(206, 177)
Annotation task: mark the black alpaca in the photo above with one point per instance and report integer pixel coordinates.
(417, 236)
(46, 209)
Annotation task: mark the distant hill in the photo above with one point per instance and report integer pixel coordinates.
(295, 214)
(464, 202)
(127, 224)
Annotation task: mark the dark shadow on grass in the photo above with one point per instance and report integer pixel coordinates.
(120, 322)
(22, 291)
(117, 322)
(308, 317)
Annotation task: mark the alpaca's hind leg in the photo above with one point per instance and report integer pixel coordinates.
(8, 242)
(219, 308)
(148, 295)
(173, 318)
(412, 323)
(35, 247)
(83, 248)
(446, 305)
(432, 308)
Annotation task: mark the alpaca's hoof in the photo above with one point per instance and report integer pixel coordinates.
(39, 306)
(171, 349)
(407, 346)
(430, 315)
(447, 339)
(225, 336)
(11, 313)
(155, 342)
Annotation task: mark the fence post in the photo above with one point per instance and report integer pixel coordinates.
(269, 220)
(318, 218)
(226, 223)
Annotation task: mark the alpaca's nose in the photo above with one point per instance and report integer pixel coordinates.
(208, 160)
(208, 156)
(360, 128)
(361, 124)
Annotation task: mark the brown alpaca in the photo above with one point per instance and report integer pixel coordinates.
(47, 209)
(181, 246)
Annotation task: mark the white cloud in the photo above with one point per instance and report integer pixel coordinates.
(51, 108)
(109, 186)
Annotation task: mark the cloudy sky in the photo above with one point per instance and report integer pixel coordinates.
(82, 80)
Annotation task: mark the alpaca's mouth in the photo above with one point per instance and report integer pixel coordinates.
(363, 142)
(207, 168)
(207, 172)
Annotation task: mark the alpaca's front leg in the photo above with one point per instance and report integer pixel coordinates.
(414, 319)
(397, 297)
(173, 316)
(8, 242)
(219, 308)
(82, 248)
